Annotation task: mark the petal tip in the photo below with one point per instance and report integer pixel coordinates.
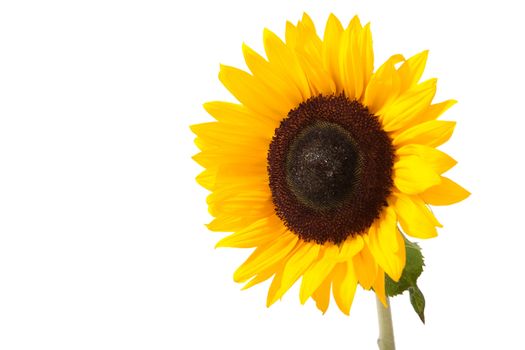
(303, 299)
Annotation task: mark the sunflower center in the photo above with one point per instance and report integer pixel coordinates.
(330, 169)
(321, 165)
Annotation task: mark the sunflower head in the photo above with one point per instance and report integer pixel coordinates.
(324, 165)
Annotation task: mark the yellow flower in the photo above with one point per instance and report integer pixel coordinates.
(321, 159)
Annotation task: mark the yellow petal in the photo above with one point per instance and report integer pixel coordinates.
(308, 39)
(308, 51)
(414, 217)
(307, 22)
(434, 111)
(249, 90)
(251, 188)
(322, 294)
(232, 170)
(258, 233)
(367, 54)
(356, 59)
(365, 268)
(344, 285)
(318, 272)
(386, 244)
(218, 180)
(238, 155)
(229, 223)
(379, 286)
(386, 232)
(432, 133)
(439, 161)
(290, 34)
(256, 208)
(275, 269)
(236, 114)
(296, 265)
(266, 256)
(319, 79)
(207, 179)
(263, 275)
(446, 193)
(400, 254)
(262, 69)
(331, 48)
(274, 286)
(412, 70)
(413, 175)
(283, 60)
(350, 247)
(223, 135)
(350, 65)
(225, 199)
(408, 106)
(384, 86)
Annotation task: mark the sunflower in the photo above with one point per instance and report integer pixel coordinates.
(324, 165)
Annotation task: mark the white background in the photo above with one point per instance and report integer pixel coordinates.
(102, 236)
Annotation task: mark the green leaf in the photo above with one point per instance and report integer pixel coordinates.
(418, 302)
(408, 281)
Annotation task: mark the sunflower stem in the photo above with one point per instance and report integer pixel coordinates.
(386, 329)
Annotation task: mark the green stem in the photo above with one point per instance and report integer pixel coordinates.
(386, 329)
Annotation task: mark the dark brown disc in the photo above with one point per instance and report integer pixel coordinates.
(330, 169)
